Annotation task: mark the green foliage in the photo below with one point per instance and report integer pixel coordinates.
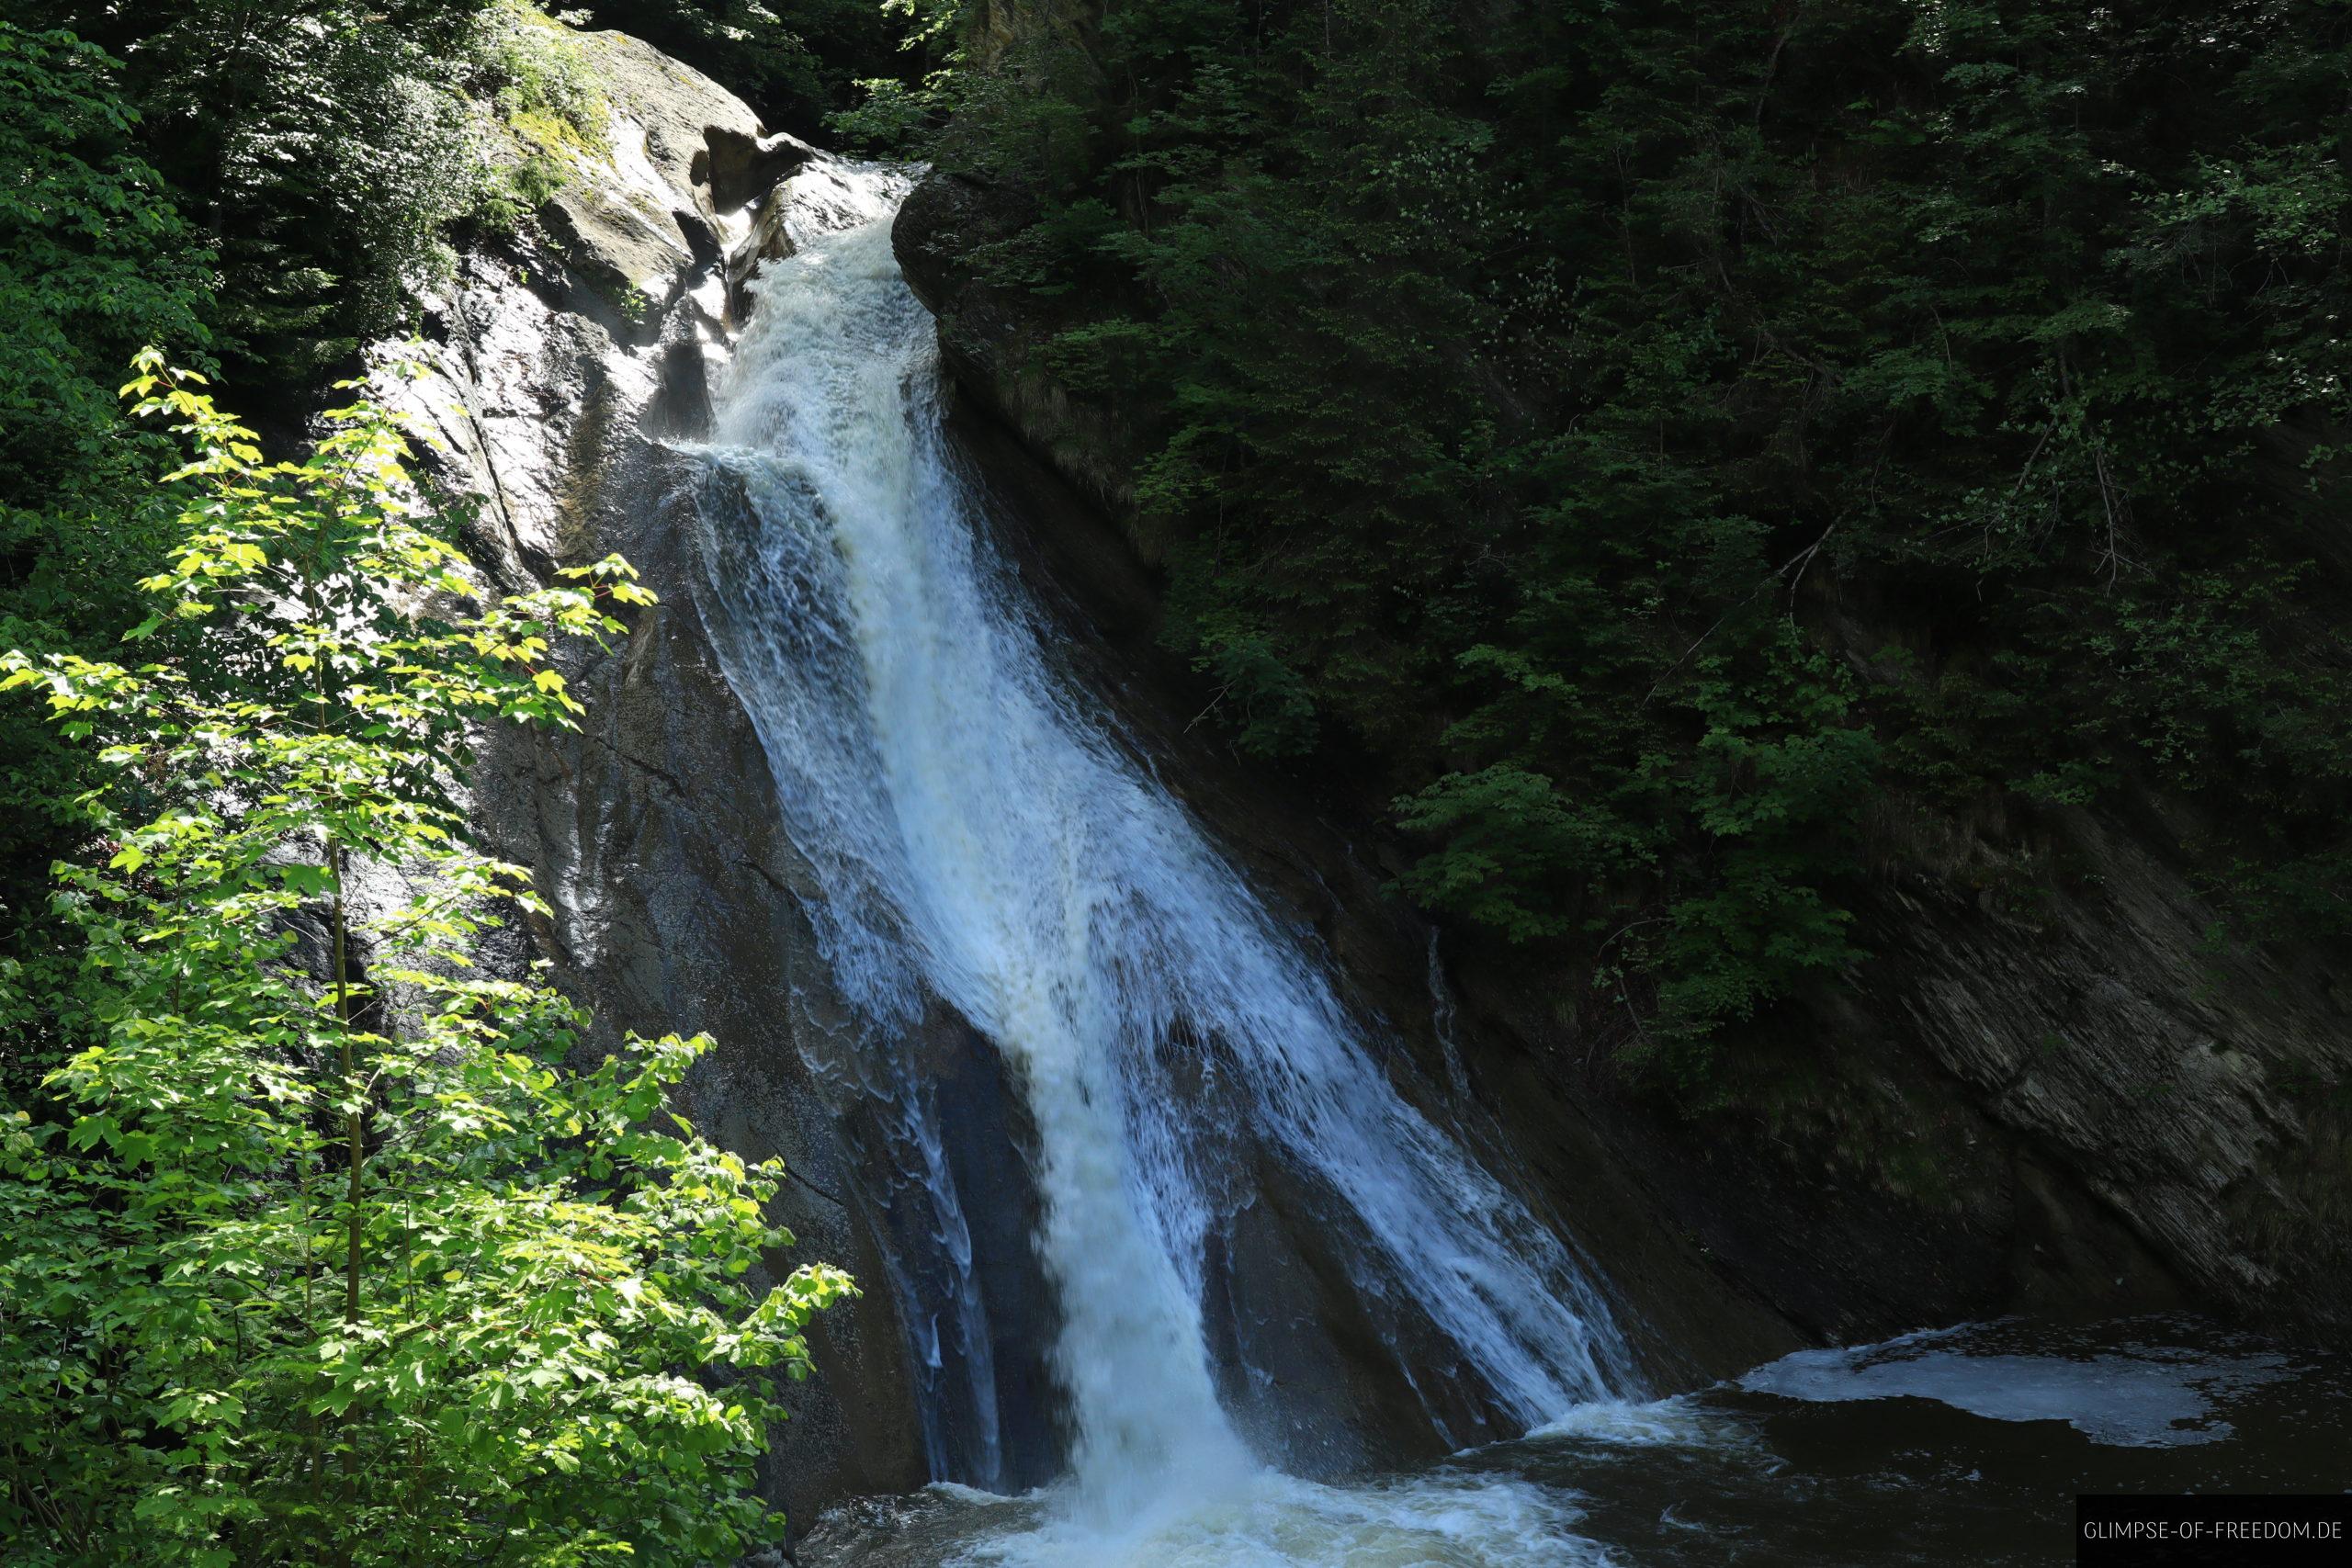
(537, 73)
(888, 116)
(317, 1253)
(320, 145)
(1637, 435)
(899, 114)
(94, 261)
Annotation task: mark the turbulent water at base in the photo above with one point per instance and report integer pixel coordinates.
(985, 840)
(1960, 1449)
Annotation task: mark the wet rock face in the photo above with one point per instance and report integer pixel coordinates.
(652, 832)
(990, 338)
(2058, 1100)
(2181, 1085)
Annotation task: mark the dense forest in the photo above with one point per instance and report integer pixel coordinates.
(1677, 455)
(1662, 460)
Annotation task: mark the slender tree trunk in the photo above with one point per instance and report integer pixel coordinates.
(355, 1131)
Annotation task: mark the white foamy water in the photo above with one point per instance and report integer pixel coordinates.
(1679, 1421)
(2125, 1397)
(1270, 1520)
(982, 839)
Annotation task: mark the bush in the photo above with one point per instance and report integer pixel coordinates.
(317, 1251)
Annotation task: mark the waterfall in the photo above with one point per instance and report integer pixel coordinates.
(985, 840)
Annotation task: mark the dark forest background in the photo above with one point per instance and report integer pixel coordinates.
(1678, 457)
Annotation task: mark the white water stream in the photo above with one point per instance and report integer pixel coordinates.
(983, 839)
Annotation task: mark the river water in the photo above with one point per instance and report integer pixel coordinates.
(1953, 1448)
(987, 842)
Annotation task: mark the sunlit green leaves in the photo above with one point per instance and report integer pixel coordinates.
(318, 1247)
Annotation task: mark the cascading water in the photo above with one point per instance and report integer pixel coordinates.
(984, 841)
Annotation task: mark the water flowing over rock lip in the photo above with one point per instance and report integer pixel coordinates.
(983, 839)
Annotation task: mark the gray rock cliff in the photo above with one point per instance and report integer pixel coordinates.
(559, 368)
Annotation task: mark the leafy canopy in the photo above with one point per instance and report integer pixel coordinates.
(318, 1253)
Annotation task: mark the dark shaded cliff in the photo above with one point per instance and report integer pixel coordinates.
(2045, 1091)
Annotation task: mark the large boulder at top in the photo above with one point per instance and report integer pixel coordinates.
(674, 108)
(631, 221)
(739, 168)
(684, 156)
